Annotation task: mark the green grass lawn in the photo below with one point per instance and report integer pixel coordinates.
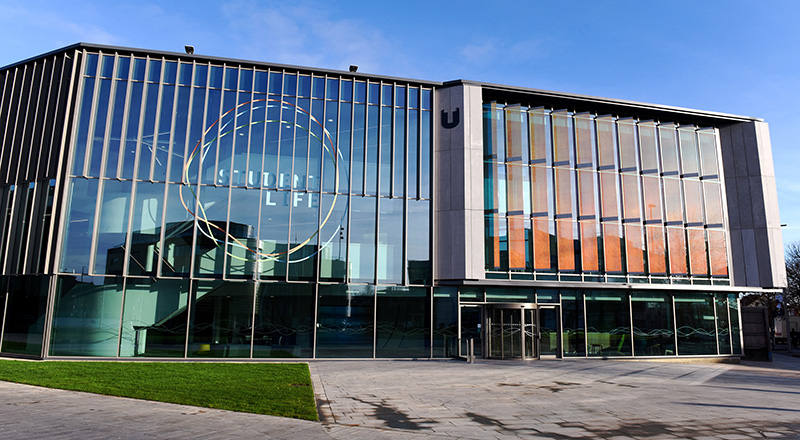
(275, 389)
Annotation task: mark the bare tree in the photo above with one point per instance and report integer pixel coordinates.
(791, 295)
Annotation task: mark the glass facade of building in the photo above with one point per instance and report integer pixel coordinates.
(586, 197)
(162, 205)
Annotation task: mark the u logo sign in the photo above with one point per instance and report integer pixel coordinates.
(446, 122)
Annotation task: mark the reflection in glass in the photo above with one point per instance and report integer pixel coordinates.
(26, 305)
(79, 225)
(176, 249)
(694, 317)
(284, 325)
(669, 151)
(390, 241)
(697, 251)
(653, 328)
(589, 238)
(608, 330)
(723, 328)
(345, 321)
(677, 251)
(362, 239)
(221, 319)
(112, 229)
(211, 229)
(627, 145)
(634, 249)
(708, 148)
(562, 135)
(717, 252)
(333, 238)
(419, 252)
(539, 135)
(736, 334)
(566, 245)
(648, 147)
(86, 316)
(403, 322)
(605, 142)
(612, 253)
(242, 244)
(656, 250)
(688, 149)
(445, 321)
(583, 140)
(154, 318)
(573, 324)
(608, 195)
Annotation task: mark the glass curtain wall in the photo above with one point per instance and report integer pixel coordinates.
(207, 200)
(615, 323)
(578, 196)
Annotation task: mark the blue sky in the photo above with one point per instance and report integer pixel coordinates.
(740, 57)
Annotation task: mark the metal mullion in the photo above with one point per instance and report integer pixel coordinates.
(226, 258)
(122, 314)
(630, 316)
(173, 120)
(585, 327)
(129, 235)
(404, 194)
(25, 121)
(125, 114)
(9, 206)
(219, 125)
(109, 115)
(420, 112)
(392, 146)
(58, 229)
(92, 119)
(674, 323)
(192, 259)
(157, 126)
(3, 313)
(26, 240)
(366, 140)
(308, 139)
(322, 169)
(253, 317)
(52, 285)
(730, 323)
(4, 106)
(247, 170)
(48, 103)
(162, 235)
(378, 151)
(429, 290)
(315, 289)
(142, 107)
(261, 182)
(234, 131)
(192, 294)
(10, 128)
(291, 175)
(36, 116)
(716, 320)
(96, 227)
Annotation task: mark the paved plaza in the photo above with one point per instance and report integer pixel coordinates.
(546, 399)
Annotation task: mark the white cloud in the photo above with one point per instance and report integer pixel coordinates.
(49, 23)
(307, 36)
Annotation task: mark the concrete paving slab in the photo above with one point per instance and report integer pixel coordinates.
(413, 400)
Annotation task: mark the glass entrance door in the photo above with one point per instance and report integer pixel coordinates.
(470, 329)
(511, 332)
